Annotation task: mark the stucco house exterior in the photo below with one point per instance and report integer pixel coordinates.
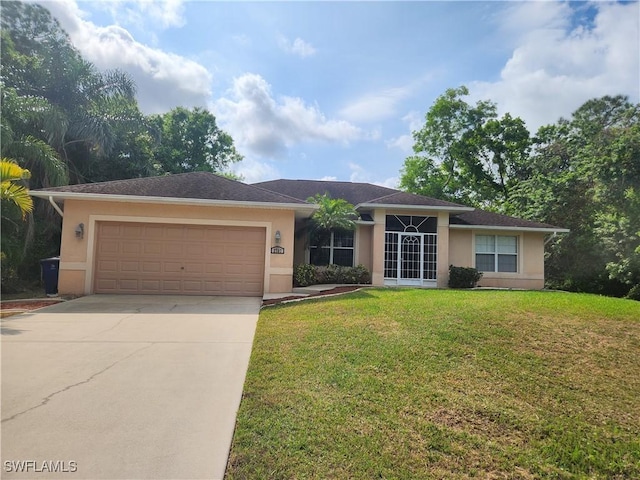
(203, 234)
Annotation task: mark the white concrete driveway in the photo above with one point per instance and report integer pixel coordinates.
(123, 387)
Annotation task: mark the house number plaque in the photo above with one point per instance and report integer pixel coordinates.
(277, 250)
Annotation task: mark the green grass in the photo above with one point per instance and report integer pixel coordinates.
(394, 383)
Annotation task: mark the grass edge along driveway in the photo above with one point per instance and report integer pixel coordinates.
(409, 383)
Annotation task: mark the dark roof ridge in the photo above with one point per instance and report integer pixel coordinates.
(152, 178)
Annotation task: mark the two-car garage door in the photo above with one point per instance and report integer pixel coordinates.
(149, 258)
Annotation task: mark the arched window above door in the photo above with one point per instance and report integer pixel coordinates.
(411, 224)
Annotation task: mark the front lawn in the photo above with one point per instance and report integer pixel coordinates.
(408, 384)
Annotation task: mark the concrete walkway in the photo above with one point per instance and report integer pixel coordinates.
(122, 387)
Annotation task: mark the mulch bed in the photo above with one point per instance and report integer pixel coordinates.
(333, 291)
(24, 305)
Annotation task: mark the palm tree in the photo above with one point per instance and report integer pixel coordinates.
(10, 190)
(333, 215)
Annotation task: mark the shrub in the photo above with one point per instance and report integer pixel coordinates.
(634, 293)
(305, 275)
(360, 274)
(331, 274)
(463, 277)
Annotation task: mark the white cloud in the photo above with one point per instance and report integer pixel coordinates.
(164, 80)
(156, 13)
(360, 175)
(298, 47)
(405, 142)
(267, 126)
(554, 69)
(328, 178)
(253, 170)
(375, 106)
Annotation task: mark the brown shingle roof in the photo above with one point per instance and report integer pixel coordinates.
(195, 185)
(353, 192)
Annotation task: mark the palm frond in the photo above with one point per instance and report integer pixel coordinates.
(10, 171)
(37, 154)
(18, 195)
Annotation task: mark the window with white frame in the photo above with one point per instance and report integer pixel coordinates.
(497, 253)
(335, 248)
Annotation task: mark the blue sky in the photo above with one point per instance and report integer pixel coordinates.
(333, 90)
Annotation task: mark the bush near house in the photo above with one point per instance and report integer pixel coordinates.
(463, 277)
(305, 275)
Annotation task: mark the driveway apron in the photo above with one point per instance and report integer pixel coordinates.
(123, 387)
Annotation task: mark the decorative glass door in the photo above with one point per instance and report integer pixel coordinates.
(410, 250)
(410, 265)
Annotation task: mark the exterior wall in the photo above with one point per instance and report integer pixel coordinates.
(530, 273)
(77, 255)
(377, 247)
(363, 247)
(461, 248)
(443, 249)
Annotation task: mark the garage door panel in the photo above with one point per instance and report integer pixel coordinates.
(214, 250)
(129, 266)
(175, 233)
(194, 233)
(179, 259)
(173, 248)
(194, 268)
(172, 267)
(148, 286)
(131, 248)
(214, 235)
(217, 267)
(152, 248)
(151, 267)
(171, 286)
(128, 284)
(106, 284)
(108, 231)
(256, 251)
(108, 246)
(152, 232)
(192, 250)
(131, 231)
(108, 266)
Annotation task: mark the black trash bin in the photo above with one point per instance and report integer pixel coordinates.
(50, 268)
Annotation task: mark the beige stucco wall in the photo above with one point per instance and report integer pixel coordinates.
(377, 247)
(530, 273)
(363, 247)
(77, 255)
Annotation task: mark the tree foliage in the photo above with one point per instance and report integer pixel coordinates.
(11, 174)
(584, 174)
(333, 215)
(465, 153)
(581, 173)
(193, 142)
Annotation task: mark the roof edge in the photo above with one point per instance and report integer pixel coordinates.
(415, 207)
(509, 228)
(104, 197)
